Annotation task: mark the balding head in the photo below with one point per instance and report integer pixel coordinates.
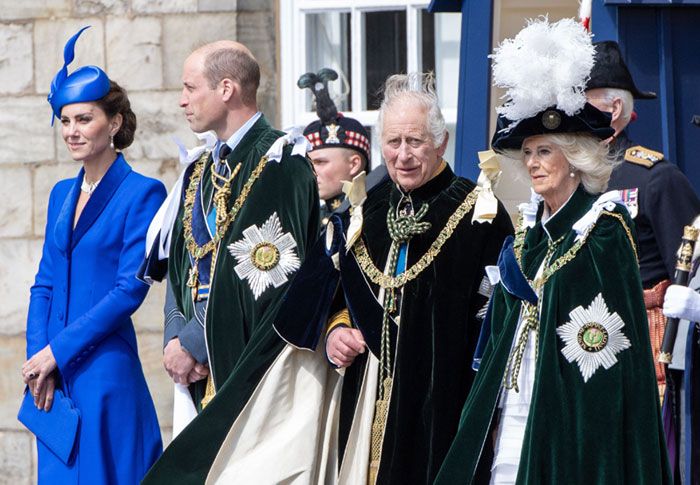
(227, 59)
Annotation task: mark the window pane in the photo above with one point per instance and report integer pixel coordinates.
(450, 152)
(328, 45)
(440, 48)
(385, 51)
(427, 27)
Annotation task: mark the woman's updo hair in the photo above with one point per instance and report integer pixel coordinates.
(117, 102)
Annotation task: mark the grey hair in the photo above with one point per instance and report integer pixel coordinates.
(585, 154)
(419, 87)
(237, 65)
(609, 94)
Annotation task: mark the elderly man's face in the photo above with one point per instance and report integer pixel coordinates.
(407, 145)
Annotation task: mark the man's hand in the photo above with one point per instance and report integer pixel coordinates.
(343, 345)
(178, 362)
(198, 372)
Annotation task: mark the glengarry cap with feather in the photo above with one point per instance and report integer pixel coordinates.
(87, 83)
(544, 70)
(332, 129)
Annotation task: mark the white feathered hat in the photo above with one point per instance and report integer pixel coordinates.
(544, 70)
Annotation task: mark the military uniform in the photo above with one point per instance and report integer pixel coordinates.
(661, 201)
(332, 130)
(329, 206)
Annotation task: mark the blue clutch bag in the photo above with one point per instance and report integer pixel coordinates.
(57, 429)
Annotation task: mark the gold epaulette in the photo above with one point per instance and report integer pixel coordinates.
(643, 156)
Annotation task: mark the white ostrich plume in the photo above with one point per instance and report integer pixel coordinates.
(544, 65)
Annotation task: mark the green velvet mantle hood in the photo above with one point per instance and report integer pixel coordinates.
(603, 431)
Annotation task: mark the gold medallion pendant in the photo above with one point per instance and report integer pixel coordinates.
(265, 256)
(593, 337)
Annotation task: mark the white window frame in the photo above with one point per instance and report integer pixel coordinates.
(293, 56)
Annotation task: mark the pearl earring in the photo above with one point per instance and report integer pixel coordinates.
(111, 142)
(572, 174)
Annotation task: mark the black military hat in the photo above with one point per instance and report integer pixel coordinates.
(550, 121)
(332, 129)
(610, 71)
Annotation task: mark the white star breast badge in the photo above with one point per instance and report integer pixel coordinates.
(266, 256)
(592, 337)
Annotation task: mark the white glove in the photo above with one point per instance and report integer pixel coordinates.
(682, 302)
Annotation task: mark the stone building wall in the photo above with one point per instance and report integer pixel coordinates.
(141, 44)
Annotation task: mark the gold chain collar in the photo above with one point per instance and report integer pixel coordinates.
(223, 222)
(569, 255)
(530, 312)
(377, 277)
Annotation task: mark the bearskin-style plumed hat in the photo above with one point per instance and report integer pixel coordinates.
(332, 129)
(544, 70)
(88, 83)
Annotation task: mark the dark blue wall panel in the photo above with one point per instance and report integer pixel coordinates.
(473, 103)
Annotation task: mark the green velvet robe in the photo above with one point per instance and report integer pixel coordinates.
(438, 325)
(240, 339)
(603, 431)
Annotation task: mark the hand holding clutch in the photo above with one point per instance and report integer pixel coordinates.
(57, 429)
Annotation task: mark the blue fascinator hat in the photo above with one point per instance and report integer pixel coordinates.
(88, 83)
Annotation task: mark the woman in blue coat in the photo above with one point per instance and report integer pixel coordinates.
(80, 337)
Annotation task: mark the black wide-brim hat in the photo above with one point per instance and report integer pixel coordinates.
(610, 71)
(588, 120)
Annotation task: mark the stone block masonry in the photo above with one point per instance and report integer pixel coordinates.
(141, 44)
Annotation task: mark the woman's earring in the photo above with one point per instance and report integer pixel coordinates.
(111, 143)
(572, 174)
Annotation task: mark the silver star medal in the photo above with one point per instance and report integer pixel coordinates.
(266, 255)
(592, 337)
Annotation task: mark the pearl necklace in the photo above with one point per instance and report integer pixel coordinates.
(88, 187)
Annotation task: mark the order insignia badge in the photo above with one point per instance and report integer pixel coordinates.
(266, 256)
(551, 119)
(593, 337)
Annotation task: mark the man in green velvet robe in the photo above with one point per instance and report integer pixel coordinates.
(247, 210)
(392, 296)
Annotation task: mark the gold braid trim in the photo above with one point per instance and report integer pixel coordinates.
(567, 256)
(340, 318)
(198, 251)
(223, 222)
(531, 313)
(376, 275)
(626, 228)
(209, 392)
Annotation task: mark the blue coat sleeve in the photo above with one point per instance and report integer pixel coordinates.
(41, 291)
(115, 308)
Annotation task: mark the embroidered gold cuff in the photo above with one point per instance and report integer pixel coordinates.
(340, 318)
